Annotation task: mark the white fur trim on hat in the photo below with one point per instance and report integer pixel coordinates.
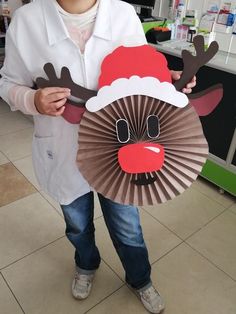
(148, 86)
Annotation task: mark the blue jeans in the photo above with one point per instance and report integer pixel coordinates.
(125, 231)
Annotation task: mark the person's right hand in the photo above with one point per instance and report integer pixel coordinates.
(51, 100)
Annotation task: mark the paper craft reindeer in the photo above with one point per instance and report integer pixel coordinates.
(141, 141)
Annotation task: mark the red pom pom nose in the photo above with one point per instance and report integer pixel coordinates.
(141, 157)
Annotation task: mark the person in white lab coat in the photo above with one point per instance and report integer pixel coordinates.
(77, 34)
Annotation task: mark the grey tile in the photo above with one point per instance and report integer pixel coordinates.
(42, 281)
(7, 300)
(97, 207)
(213, 192)
(122, 301)
(3, 159)
(217, 241)
(158, 239)
(190, 284)
(17, 145)
(25, 226)
(186, 213)
(4, 107)
(233, 208)
(54, 203)
(12, 122)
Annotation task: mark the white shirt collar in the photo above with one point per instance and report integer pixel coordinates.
(57, 30)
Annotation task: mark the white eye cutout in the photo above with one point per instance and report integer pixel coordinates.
(122, 131)
(153, 126)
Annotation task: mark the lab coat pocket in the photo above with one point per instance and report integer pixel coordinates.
(44, 159)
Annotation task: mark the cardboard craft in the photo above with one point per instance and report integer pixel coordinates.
(136, 85)
(193, 63)
(206, 101)
(141, 140)
(143, 61)
(75, 105)
(181, 138)
(78, 92)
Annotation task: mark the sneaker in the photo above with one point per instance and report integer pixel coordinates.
(82, 285)
(151, 300)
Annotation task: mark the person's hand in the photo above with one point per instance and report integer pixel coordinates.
(51, 100)
(188, 88)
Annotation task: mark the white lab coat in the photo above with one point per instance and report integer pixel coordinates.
(37, 35)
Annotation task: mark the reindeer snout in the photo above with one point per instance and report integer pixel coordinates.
(141, 157)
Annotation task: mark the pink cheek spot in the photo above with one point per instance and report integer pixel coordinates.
(73, 114)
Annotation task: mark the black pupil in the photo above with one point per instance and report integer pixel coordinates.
(122, 131)
(153, 126)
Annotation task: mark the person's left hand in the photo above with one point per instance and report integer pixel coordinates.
(175, 75)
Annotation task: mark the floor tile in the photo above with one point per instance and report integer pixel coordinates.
(7, 301)
(190, 284)
(217, 241)
(233, 208)
(27, 225)
(97, 208)
(3, 159)
(12, 122)
(13, 185)
(122, 301)
(4, 107)
(17, 145)
(52, 202)
(186, 213)
(212, 191)
(106, 248)
(158, 239)
(25, 166)
(42, 281)
(30, 118)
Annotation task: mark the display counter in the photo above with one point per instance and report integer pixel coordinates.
(220, 126)
(222, 61)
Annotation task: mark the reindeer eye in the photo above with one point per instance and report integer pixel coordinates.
(153, 126)
(122, 131)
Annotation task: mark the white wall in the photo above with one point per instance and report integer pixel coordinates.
(156, 9)
(161, 8)
(199, 5)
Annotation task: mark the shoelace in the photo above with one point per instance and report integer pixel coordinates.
(151, 295)
(84, 279)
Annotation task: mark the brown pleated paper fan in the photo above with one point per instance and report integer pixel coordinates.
(181, 135)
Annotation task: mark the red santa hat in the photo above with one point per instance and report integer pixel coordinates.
(131, 71)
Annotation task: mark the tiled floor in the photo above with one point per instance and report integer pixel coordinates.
(191, 242)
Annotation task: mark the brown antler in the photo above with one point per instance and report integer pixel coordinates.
(193, 63)
(64, 81)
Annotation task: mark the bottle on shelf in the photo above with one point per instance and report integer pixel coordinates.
(192, 32)
(231, 18)
(180, 10)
